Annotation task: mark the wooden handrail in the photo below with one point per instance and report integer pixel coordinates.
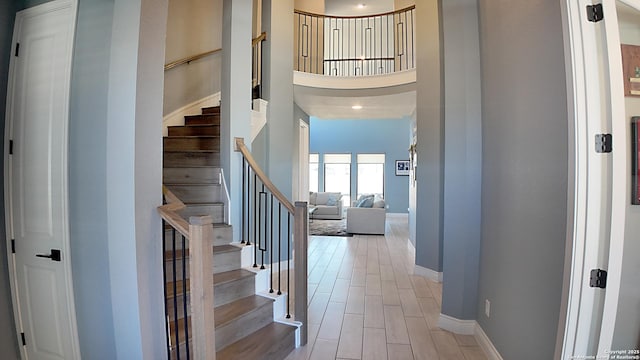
(261, 37)
(191, 58)
(241, 147)
(301, 12)
(169, 212)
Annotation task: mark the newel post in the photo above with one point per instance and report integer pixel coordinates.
(201, 287)
(300, 237)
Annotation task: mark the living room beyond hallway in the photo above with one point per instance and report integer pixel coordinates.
(366, 303)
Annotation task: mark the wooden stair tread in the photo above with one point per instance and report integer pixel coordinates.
(193, 137)
(229, 276)
(191, 151)
(218, 279)
(258, 345)
(226, 313)
(217, 249)
(193, 125)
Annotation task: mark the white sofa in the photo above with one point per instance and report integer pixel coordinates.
(328, 205)
(367, 220)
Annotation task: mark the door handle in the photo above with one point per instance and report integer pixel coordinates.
(54, 256)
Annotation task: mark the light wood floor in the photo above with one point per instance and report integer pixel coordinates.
(365, 302)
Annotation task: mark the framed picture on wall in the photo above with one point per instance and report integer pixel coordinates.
(635, 156)
(402, 167)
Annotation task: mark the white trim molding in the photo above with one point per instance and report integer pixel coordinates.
(176, 118)
(354, 82)
(428, 273)
(457, 326)
(486, 344)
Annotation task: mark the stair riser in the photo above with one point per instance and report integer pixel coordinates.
(192, 175)
(215, 211)
(191, 143)
(186, 159)
(222, 262)
(171, 311)
(190, 194)
(223, 235)
(205, 119)
(231, 291)
(226, 261)
(243, 326)
(211, 110)
(203, 130)
(168, 266)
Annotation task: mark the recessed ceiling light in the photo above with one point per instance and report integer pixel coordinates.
(361, 6)
(356, 107)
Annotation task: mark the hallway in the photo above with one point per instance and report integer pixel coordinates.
(365, 302)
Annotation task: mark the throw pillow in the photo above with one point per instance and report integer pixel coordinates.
(379, 204)
(332, 200)
(365, 201)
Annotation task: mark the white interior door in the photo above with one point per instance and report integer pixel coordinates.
(36, 188)
(601, 179)
(591, 115)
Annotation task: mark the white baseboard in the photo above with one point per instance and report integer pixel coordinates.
(176, 118)
(428, 273)
(486, 344)
(457, 326)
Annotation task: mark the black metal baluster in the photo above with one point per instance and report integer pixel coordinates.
(255, 229)
(289, 265)
(175, 293)
(279, 246)
(184, 294)
(244, 219)
(164, 282)
(262, 234)
(271, 244)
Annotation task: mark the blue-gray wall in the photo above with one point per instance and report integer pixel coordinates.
(8, 342)
(463, 159)
(524, 175)
(87, 179)
(389, 137)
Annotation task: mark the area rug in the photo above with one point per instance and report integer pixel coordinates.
(319, 227)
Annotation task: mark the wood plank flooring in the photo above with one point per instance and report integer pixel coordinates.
(366, 303)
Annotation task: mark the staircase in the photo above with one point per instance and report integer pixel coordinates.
(244, 321)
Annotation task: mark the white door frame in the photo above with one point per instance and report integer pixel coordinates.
(588, 324)
(72, 5)
(303, 161)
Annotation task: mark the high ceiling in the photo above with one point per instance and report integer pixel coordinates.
(383, 103)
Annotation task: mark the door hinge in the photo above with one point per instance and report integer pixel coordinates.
(13, 246)
(17, 50)
(604, 143)
(10, 147)
(24, 340)
(595, 13)
(598, 278)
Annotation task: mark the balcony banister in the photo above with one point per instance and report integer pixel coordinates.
(408, 8)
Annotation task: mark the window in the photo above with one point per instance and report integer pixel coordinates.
(370, 174)
(314, 159)
(337, 175)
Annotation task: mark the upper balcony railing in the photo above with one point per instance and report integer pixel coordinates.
(355, 46)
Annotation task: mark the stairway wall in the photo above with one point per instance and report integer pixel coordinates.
(193, 27)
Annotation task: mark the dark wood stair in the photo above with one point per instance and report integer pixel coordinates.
(243, 320)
